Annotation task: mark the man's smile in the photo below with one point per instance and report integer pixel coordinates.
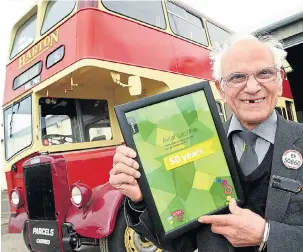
(248, 101)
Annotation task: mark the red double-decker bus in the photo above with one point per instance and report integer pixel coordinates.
(70, 63)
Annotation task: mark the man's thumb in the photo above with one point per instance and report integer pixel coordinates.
(233, 207)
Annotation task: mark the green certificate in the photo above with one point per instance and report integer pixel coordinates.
(182, 157)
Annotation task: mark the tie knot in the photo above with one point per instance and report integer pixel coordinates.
(248, 137)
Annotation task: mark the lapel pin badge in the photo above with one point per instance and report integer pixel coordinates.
(292, 159)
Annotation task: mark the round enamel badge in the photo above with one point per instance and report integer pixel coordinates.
(292, 159)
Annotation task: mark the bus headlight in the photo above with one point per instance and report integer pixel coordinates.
(17, 198)
(80, 194)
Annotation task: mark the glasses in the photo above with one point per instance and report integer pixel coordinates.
(240, 79)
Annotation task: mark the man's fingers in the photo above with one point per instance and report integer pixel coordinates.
(122, 168)
(121, 158)
(222, 220)
(223, 230)
(234, 208)
(132, 192)
(120, 179)
(126, 151)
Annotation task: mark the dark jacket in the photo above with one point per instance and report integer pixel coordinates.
(284, 209)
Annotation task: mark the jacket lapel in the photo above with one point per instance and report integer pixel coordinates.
(277, 200)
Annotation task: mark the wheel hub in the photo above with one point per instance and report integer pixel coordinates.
(136, 243)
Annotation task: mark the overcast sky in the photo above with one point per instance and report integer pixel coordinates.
(235, 14)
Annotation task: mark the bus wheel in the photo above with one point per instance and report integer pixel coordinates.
(104, 245)
(137, 243)
(124, 239)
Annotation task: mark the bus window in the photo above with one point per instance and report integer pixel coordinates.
(59, 121)
(289, 110)
(220, 110)
(55, 12)
(186, 24)
(29, 77)
(216, 34)
(96, 120)
(66, 121)
(279, 110)
(25, 35)
(150, 12)
(284, 113)
(18, 127)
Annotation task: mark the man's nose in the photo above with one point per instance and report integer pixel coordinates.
(252, 85)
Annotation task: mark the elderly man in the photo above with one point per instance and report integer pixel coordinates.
(249, 70)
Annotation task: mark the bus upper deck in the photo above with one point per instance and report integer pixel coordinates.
(153, 34)
(65, 48)
(70, 63)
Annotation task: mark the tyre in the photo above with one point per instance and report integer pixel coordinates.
(124, 239)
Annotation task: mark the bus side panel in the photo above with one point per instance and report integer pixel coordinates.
(85, 34)
(192, 59)
(120, 40)
(286, 89)
(97, 219)
(135, 44)
(91, 167)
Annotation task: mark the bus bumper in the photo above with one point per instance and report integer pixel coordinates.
(16, 222)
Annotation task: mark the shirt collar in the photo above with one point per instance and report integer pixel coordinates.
(266, 129)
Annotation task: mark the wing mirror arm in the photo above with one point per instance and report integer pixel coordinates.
(134, 83)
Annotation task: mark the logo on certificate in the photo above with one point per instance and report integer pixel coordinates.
(133, 125)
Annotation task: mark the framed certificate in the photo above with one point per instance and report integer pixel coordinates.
(187, 169)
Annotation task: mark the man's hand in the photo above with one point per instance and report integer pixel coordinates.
(124, 173)
(242, 228)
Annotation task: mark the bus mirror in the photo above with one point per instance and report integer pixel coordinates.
(135, 85)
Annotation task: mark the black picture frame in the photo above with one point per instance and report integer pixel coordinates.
(127, 133)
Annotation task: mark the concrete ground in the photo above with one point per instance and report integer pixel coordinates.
(9, 242)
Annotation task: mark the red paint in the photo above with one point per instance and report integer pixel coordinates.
(287, 90)
(15, 179)
(90, 167)
(122, 41)
(15, 224)
(93, 34)
(60, 185)
(97, 220)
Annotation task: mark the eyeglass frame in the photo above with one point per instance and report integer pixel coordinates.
(249, 74)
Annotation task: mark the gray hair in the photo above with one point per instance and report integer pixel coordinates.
(218, 51)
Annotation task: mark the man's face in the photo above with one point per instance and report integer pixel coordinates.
(253, 102)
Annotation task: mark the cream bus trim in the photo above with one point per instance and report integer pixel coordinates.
(172, 80)
(39, 8)
(282, 104)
